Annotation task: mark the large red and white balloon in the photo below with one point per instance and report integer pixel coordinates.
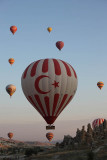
(49, 85)
(97, 122)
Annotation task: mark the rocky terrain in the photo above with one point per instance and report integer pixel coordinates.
(90, 138)
(90, 144)
(8, 143)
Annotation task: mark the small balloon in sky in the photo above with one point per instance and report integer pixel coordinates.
(11, 61)
(59, 45)
(13, 29)
(49, 29)
(97, 122)
(10, 135)
(10, 89)
(49, 136)
(100, 84)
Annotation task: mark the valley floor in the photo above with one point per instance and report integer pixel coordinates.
(100, 154)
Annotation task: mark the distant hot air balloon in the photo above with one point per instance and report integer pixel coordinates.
(49, 85)
(10, 135)
(97, 122)
(11, 61)
(10, 89)
(49, 136)
(59, 45)
(13, 29)
(49, 29)
(100, 84)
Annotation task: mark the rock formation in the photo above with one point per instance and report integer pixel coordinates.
(86, 138)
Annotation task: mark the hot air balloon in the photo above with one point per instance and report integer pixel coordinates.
(97, 122)
(10, 135)
(49, 85)
(49, 136)
(13, 29)
(11, 61)
(10, 89)
(100, 84)
(49, 29)
(59, 45)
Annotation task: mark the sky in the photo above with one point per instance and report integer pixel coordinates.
(82, 26)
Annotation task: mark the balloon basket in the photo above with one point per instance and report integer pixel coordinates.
(50, 127)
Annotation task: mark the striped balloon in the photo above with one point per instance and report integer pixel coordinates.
(49, 85)
(49, 136)
(11, 61)
(100, 84)
(10, 89)
(97, 122)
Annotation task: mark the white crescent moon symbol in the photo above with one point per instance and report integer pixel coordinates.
(37, 84)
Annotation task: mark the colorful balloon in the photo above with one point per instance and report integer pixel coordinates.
(97, 122)
(49, 29)
(100, 84)
(59, 45)
(49, 136)
(10, 135)
(10, 89)
(49, 85)
(11, 61)
(13, 29)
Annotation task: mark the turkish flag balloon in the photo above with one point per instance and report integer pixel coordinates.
(49, 85)
(59, 45)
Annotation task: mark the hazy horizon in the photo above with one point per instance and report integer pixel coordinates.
(82, 26)
(38, 131)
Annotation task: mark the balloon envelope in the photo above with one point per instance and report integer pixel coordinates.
(10, 89)
(13, 29)
(100, 84)
(49, 85)
(97, 122)
(11, 61)
(49, 136)
(10, 135)
(49, 29)
(59, 45)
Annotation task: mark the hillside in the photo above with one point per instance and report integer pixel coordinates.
(8, 143)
